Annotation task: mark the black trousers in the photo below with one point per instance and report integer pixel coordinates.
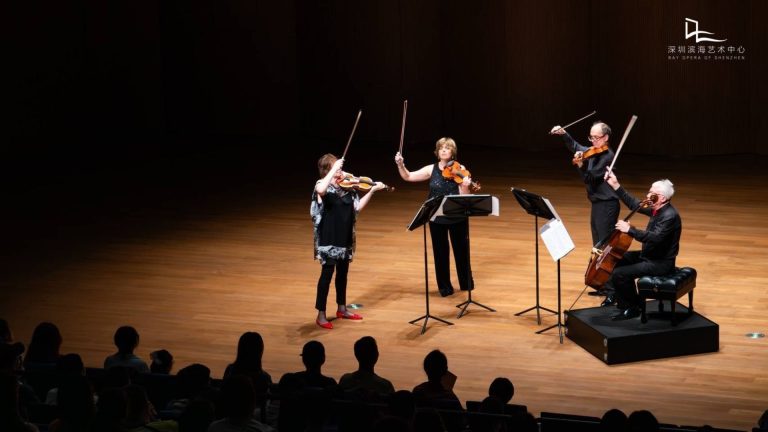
(603, 219)
(629, 268)
(458, 233)
(324, 284)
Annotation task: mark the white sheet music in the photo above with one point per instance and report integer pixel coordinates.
(556, 238)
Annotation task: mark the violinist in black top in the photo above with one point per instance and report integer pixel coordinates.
(443, 227)
(334, 211)
(661, 243)
(605, 205)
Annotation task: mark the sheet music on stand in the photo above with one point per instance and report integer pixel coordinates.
(551, 209)
(556, 238)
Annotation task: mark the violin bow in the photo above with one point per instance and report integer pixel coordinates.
(624, 138)
(573, 123)
(349, 141)
(402, 128)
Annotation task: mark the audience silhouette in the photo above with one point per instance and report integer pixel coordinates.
(642, 421)
(237, 404)
(364, 380)
(43, 350)
(613, 420)
(304, 401)
(161, 362)
(126, 340)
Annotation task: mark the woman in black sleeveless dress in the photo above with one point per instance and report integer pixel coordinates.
(442, 227)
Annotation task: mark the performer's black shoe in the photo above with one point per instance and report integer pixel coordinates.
(609, 301)
(627, 314)
(446, 293)
(600, 292)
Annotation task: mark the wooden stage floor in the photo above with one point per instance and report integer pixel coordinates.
(193, 266)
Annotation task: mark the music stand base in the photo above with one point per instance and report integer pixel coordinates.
(465, 305)
(538, 309)
(426, 318)
(559, 326)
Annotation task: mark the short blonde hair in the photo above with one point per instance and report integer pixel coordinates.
(448, 143)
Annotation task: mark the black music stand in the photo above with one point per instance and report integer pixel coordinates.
(466, 206)
(425, 213)
(536, 206)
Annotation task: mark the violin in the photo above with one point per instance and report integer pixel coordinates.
(608, 253)
(592, 151)
(456, 171)
(362, 184)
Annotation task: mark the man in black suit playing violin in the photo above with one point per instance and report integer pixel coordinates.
(592, 168)
(660, 239)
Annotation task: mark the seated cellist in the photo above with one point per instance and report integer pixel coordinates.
(660, 239)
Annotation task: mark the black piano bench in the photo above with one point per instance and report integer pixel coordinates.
(668, 287)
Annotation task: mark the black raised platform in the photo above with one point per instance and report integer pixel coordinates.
(627, 341)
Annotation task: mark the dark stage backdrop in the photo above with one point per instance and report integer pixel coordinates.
(497, 73)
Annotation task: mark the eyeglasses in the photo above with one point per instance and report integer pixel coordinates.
(593, 138)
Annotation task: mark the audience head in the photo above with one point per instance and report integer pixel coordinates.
(44, 345)
(502, 389)
(493, 422)
(642, 421)
(402, 404)
(192, 380)
(313, 355)
(126, 339)
(366, 352)
(162, 362)
(435, 365)
(250, 349)
(613, 420)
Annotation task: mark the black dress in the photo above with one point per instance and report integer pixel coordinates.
(440, 230)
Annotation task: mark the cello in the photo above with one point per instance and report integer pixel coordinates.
(607, 253)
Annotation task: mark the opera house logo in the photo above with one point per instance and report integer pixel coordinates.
(696, 32)
(702, 45)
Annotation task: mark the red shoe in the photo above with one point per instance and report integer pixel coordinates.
(351, 316)
(326, 325)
